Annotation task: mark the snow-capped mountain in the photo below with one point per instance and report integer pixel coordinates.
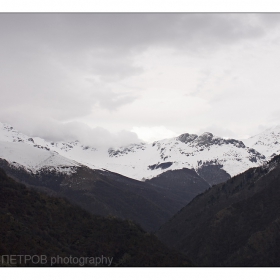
(25, 152)
(175, 170)
(187, 150)
(267, 142)
(141, 161)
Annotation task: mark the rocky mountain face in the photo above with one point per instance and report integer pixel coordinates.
(236, 223)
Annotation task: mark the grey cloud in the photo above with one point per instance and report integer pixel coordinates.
(112, 67)
(269, 19)
(52, 130)
(129, 33)
(133, 32)
(105, 44)
(44, 85)
(62, 65)
(95, 137)
(205, 75)
(116, 101)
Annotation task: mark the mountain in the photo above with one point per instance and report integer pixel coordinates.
(25, 152)
(145, 161)
(267, 142)
(149, 183)
(35, 224)
(174, 170)
(203, 153)
(104, 193)
(236, 223)
(43, 165)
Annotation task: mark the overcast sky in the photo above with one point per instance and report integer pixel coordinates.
(118, 78)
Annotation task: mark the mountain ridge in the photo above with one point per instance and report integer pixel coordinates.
(142, 161)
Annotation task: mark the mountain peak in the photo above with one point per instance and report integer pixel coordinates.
(186, 137)
(204, 138)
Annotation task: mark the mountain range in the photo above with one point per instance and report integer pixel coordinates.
(145, 160)
(147, 183)
(213, 199)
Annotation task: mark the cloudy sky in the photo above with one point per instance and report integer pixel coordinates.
(121, 78)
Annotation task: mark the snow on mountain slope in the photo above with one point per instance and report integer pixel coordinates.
(21, 150)
(138, 161)
(190, 151)
(267, 142)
